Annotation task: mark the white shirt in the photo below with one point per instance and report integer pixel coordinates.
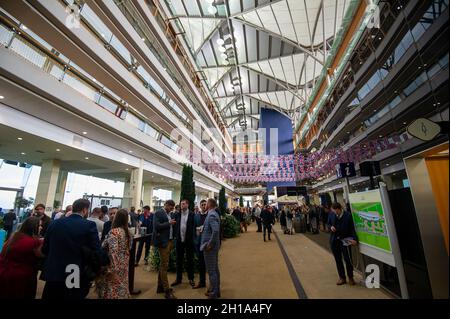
(183, 225)
(59, 215)
(257, 211)
(171, 226)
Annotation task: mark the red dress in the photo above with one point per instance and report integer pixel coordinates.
(19, 268)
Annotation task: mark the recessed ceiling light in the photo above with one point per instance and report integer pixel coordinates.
(143, 39)
(20, 139)
(58, 150)
(23, 153)
(86, 158)
(387, 164)
(220, 41)
(130, 152)
(24, 27)
(84, 133)
(224, 56)
(127, 169)
(212, 10)
(1, 97)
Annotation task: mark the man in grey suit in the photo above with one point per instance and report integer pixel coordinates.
(210, 245)
(163, 235)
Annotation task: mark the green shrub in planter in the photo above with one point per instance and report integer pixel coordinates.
(231, 227)
(155, 260)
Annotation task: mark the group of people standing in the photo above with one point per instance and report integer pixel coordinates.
(190, 233)
(78, 249)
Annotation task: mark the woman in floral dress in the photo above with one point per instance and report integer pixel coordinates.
(113, 284)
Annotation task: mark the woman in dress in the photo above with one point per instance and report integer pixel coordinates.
(19, 262)
(113, 283)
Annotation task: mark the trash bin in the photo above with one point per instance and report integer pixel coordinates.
(299, 224)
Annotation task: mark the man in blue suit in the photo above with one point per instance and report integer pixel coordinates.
(343, 235)
(163, 235)
(210, 245)
(65, 247)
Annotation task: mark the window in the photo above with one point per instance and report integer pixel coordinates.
(95, 23)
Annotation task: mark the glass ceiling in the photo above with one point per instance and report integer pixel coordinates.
(259, 53)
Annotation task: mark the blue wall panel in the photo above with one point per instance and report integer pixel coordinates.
(273, 119)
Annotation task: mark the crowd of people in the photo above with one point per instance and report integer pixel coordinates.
(77, 249)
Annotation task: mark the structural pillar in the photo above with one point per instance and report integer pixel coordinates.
(176, 195)
(147, 196)
(126, 200)
(210, 195)
(61, 188)
(229, 201)
(48, 182)
(137, 175)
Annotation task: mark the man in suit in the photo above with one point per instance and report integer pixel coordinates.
(184, 235)
(258, 218)
(268, 219)
(145, 220)
(65, 243)
(343, 235)
(39, 211)
(210, 245)
(163, 235)
(107, 225)
(200, 218)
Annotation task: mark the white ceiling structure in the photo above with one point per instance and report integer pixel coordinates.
(259, 53)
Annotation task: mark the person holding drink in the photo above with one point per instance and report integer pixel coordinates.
(163, 235)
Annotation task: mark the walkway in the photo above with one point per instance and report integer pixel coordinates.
(254, 269)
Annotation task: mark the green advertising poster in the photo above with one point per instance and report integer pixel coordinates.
(370, 222)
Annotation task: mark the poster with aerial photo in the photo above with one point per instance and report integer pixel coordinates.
(369, 219)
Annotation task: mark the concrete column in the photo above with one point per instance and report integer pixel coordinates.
(229, 201)
(61, 188)
(147, 196)
(176, 194)
(388, 181)
(210, 194)
(126, 201)
(137, 175)
(48, 182)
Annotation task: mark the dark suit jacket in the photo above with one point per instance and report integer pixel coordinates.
(344, 227)
(190, 228)
(63, 244)
(106, 229)
(161, 229)
(267, 217)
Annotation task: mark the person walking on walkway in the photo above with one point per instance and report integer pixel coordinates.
(200, 218)
(268, 219)
(243, 220)
(258, 218)
(283, 221)
(210, 245)
(163, 235)
(113, 284)
(289, 218)
(145, 220)
(184, 235)
(343, 235)
(19, 262)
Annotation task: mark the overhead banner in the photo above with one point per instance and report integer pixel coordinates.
(371, 225)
